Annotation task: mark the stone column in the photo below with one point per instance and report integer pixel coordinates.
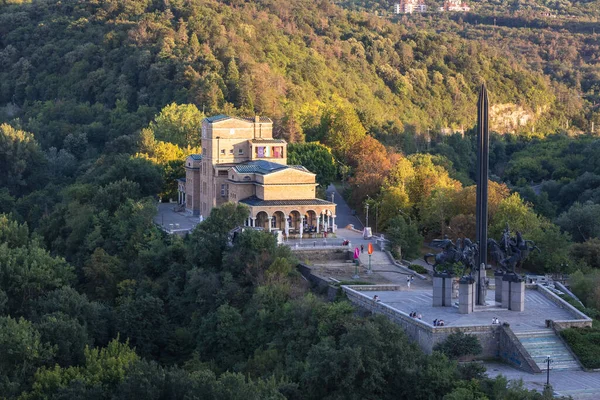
(333, 223)
(513, 292)
(253, 223)
(498, 282)
(301, 226)
(318, 219)
(517, 296)
(269, 221)
(466, 293)
(287, 226)
(442, 290)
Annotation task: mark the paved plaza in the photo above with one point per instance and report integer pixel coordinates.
(174, 222)
(537, 309)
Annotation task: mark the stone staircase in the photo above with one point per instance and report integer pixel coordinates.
(542, 343)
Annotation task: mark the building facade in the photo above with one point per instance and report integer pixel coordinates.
(410, 6)
(455, 6)
(241, 162)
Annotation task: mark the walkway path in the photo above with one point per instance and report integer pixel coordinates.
(344, 215)
(578, 384)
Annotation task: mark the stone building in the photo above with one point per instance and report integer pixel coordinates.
(410, 6)
(241, 162)
(455, 6)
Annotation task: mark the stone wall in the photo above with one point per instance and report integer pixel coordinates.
(425, 335)
(511, 350)
(323, 255)
(320, 285)
(580, 320)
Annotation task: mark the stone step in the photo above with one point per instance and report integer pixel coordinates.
(541, 343)
(535, 333)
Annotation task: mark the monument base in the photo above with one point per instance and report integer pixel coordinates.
(513, 292)
(466, 295)
(498, 275)
(442, 290)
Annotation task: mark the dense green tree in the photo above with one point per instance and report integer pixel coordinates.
(21, 160)
(405, 240)
(21, 353)
(315, 157)
(582, 221)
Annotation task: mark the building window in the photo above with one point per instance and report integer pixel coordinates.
(224, 190)
(261, 152)
(222, 151)
(230, 151)
(204, 150)
(278, 152)
(241, 152)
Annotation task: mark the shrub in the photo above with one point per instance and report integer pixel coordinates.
(419, 269)
(585, 343)
(459, 345)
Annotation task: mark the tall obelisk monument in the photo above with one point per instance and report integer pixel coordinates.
(483, 163)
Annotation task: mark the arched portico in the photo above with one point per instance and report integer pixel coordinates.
(262, 220)
(278, 220)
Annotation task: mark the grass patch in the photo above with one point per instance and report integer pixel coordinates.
(355, 283)
(585, 343)
(419, 269)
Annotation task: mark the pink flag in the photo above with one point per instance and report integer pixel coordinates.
(356, 253)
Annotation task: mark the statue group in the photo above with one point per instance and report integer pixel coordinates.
(508, 253)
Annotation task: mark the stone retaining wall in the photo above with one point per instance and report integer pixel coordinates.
(497, 341)
(511, 350)
(425, 335)
(580, 320)
(403, 267)
(322, 255)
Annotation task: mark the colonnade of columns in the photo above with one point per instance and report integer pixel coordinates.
(324, 219)
(180, 197)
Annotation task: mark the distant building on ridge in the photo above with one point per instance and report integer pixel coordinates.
(410, 6)
(455, 6)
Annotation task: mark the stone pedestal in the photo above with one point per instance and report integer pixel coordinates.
(442, 290)
(513, 292)
(466, 296)
(498, 275)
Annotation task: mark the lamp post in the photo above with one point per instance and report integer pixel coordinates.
(406, 215)
(367, 217)
(548, 361)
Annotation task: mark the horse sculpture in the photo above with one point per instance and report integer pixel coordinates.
(511, 251)
(463, 252)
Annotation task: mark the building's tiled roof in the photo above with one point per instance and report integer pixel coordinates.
(256, 202)
(267, 141)
(259, 167)
(216, 118)
(196, 157)
(221, 117)
(299, 167)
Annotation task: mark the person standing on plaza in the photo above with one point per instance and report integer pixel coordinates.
(362, 249)
(408, 281)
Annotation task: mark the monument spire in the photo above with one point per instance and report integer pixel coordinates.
(483, 145)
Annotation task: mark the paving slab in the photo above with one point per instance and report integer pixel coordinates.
(537, 309)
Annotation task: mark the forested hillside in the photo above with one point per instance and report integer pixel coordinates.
(282, 59)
